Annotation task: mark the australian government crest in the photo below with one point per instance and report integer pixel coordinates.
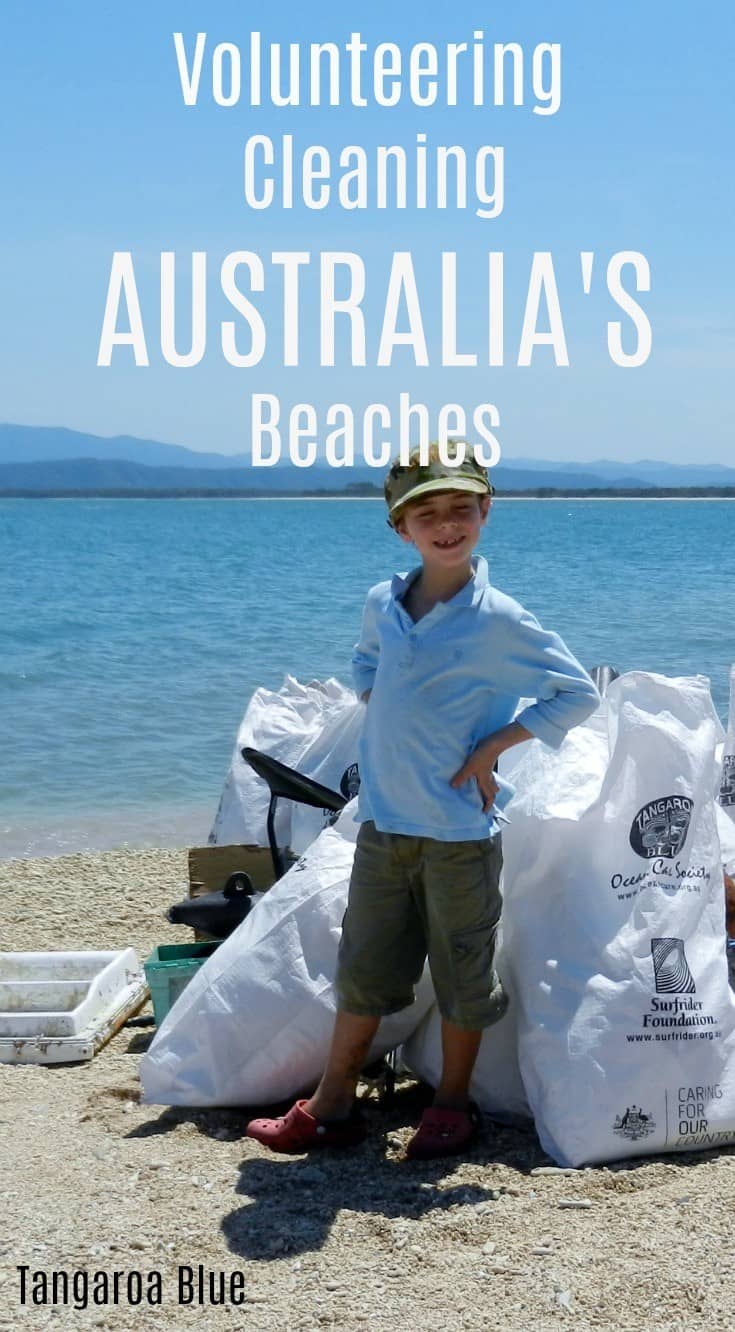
(634, 1124)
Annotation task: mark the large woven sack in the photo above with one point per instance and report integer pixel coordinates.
(253, 1025)
(298, 724)
(614, 929)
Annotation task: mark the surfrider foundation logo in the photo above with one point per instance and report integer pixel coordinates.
(634, 1124)
(661, 827)
(670, 967)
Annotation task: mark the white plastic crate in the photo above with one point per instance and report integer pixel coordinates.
(60, 1007)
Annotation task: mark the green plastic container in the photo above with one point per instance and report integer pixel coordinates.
(169, 969)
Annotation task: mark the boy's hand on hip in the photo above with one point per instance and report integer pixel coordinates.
(480, 765)
(482, 760)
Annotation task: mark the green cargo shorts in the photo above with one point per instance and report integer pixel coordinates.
(413, 896)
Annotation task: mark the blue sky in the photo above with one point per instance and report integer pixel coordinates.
(98, 153)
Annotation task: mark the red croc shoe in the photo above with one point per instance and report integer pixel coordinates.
(444, 1132)
(298, 1131)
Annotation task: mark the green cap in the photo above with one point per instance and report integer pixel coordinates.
(404, 483)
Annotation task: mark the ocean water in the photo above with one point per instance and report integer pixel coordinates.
(134, 631)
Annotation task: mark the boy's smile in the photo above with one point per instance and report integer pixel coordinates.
(450, 544)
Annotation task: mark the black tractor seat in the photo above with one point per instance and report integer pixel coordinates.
(288, 784)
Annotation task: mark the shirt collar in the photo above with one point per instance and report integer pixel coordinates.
(467, 595)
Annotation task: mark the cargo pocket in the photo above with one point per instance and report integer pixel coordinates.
(479, 997)
(473, 951)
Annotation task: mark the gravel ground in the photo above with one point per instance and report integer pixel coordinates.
(95, 1182)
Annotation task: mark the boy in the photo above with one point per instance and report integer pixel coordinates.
(442, 662)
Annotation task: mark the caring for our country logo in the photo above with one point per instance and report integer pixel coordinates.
(670, 967)
(634, 1124)
(661, 827)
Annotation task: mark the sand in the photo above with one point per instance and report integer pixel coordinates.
(95, 1182)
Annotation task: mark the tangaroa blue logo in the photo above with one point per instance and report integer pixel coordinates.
(727, 787)
(350, 782)
(660, 828)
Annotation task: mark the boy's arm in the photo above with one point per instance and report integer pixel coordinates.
(534, 663)
(541, 666)
(366, 652)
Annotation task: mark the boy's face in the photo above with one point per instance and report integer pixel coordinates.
(444, 526)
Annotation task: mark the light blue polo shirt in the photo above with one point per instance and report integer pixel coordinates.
(442, 684)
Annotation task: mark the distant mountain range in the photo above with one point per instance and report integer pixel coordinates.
(47, 458)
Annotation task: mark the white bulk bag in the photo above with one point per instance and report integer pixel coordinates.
(614, 930)
(284, 724)
(253, 1026)
(330, 759)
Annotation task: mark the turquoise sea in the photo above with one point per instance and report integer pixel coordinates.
(134, 632)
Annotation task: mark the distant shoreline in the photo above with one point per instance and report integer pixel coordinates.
(557, 496)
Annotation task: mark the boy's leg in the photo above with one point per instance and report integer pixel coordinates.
(381, 956)
(459, 1052)
(351, 1041)
(328, 1118)
(452, 1122)
(461, 904)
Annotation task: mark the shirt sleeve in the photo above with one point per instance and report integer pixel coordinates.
(541, 666)
(367, 650)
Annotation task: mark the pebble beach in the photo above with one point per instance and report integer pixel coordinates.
(93, 1181)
